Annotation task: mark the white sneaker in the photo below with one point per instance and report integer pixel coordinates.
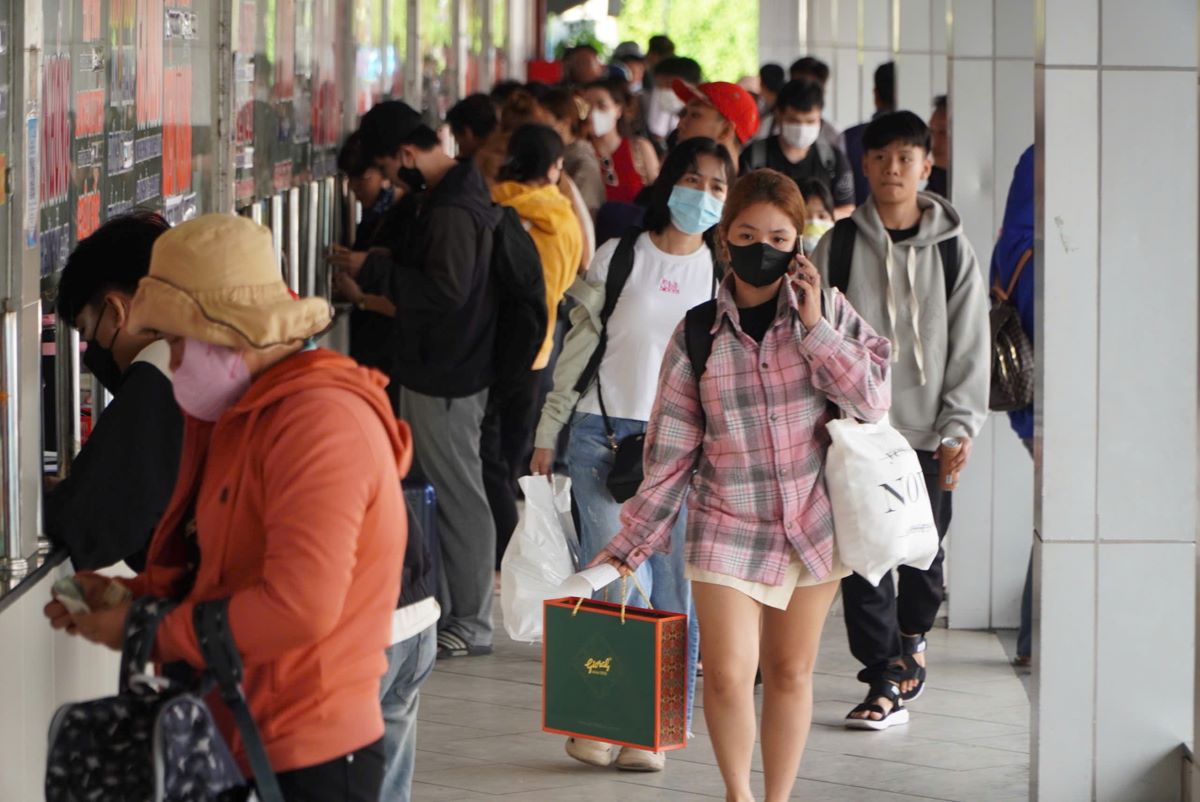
(631, 759)
(594, 753)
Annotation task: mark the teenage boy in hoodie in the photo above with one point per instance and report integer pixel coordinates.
(936, 316)
(439, 279)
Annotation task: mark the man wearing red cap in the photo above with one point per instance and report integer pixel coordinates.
(722, 111)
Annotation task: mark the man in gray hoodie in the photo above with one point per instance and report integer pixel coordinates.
(905, 264)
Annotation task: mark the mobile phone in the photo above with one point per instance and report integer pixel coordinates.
(70, 595)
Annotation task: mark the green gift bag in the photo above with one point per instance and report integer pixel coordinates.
(615, 673)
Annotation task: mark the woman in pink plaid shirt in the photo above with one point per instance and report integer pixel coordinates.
(747, 439)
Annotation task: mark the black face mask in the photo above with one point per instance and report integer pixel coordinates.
(759, 264)
(412, 178)
(100, 362)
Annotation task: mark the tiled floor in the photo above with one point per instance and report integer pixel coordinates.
(479, 736)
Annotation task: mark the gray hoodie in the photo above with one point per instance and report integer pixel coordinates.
(941, 378)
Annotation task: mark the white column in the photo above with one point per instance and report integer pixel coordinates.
(1117, 398)
(781, 31)
(991, 111)
(912, 41)
(853, 37)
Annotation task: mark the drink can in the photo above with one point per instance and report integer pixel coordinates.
(948, 480)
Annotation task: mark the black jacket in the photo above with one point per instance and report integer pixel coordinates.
(439, 280)
(120, 483)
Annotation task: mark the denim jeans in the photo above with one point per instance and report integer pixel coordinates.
(409, 663)
(589, 459)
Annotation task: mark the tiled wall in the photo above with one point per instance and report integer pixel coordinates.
(991, 107)
(40, 670)
(1117, 266)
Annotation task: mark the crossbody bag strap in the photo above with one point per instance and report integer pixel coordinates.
(1004, 295)
(211, 620)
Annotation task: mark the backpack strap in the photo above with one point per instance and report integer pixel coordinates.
(757, 157)
(619, 270)
(949, 251)
(211, 620)
(827, 158)
(698, 335)
(1004, 295)
(841, 253)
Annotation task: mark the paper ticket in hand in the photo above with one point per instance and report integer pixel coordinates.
(587, 582)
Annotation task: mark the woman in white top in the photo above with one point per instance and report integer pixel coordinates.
(672, 272)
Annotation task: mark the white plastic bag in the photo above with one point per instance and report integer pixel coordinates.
(881, 512)
(541, 556)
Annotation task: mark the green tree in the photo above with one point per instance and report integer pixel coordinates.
(721, 35)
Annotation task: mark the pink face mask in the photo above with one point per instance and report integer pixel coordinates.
(209, 380)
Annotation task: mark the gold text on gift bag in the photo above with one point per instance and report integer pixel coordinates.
(598, 668)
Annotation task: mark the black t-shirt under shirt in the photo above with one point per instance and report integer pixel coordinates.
(756, 320)
(840, 183)
(901, 234)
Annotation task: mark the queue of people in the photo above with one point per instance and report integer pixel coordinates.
(839, 286)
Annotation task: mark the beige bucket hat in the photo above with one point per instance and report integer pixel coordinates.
(215, 279)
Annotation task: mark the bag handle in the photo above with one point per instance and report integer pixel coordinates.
(211, 620)
(141, 629)
(624, 595)
(1004, 295)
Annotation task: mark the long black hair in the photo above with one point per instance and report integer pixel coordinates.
(532, 150)
(681, 160)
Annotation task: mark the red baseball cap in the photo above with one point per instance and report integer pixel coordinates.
(732, 101)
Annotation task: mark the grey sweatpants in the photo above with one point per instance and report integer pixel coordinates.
(446, 447)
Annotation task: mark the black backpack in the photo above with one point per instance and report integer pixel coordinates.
(522, 319)
(756, 158)
(841, 254)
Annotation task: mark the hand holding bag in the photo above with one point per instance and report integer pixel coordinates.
(156, 740)
(881, 512)
(542, 554)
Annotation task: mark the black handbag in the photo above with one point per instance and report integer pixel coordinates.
(156, 739)
(1012, 352)
(626, 474)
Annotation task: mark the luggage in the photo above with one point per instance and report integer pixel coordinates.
(615, 673)
(156, 740)
(421, 501)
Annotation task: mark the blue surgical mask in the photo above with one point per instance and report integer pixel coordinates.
(693, 211)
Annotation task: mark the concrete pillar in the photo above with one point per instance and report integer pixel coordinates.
(1117, 398)
(853, 37)
(991, 110)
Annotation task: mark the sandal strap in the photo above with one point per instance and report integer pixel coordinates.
(913, 644)
(886, 690)
(869, 708)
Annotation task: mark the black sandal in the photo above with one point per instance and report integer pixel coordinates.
(889, 718)
(913, 644)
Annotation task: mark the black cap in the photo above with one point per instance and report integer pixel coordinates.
(387, 126)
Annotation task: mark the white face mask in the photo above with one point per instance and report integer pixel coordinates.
(922, 184)
(603, 122)
(800, 135)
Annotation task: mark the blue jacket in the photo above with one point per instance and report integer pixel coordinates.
(1016, 237)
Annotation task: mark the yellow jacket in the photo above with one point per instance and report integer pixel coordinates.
(550, 220)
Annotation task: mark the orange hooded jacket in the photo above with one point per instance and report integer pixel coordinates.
(300, 520)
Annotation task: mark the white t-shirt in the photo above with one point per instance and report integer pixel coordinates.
(662, 287)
